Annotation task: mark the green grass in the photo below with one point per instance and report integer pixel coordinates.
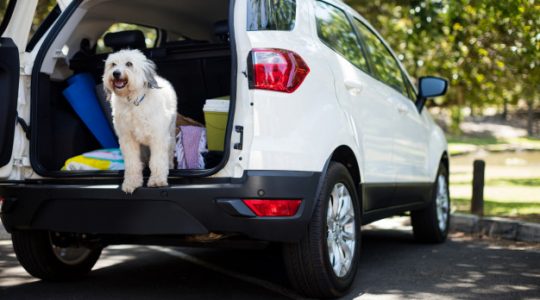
(529, 182)
(526, 141)
(512, 178)
(476, 141)
(532, 182)
(526, 211)
(463, 144)
(487, 141)
(500, 193)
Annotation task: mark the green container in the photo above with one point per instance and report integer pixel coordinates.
(216, 113)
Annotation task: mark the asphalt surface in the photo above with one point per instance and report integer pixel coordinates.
(393, 266)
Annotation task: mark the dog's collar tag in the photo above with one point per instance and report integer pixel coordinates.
(138, 101)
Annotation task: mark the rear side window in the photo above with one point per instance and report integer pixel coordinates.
(43, 9)
(46, 14)
(6, 9)
(410, 89)
(335, 30)
(271, 15)
(386, 66)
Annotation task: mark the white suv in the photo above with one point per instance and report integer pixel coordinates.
(325, 133)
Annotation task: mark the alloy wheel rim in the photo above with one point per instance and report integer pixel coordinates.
(341, 230)
(443, 203)
(70, 255)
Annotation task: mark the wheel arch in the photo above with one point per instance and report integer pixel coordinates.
(345, 155)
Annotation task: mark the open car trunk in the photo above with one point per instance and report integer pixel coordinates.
(192, 50)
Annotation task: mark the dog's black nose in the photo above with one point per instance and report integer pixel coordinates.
(116, 74)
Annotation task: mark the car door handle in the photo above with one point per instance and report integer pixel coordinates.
(354, 87)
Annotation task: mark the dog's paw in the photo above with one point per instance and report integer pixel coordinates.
(156, 181)
(131, 184)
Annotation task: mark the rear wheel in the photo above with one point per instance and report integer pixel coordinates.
(431, 224)
(41, 255)
(325, 261)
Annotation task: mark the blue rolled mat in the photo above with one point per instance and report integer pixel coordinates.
(82, 96)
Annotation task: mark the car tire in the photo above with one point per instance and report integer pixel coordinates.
(42, 259)
(312, 263)
(431, 224)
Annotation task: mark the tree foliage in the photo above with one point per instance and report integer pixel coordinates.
(489, 50)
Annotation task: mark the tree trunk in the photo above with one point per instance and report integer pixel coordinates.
(505, 109)
(456, 111)
(530, 117)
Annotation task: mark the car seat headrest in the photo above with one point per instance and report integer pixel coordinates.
(130, 39)
(221, 30)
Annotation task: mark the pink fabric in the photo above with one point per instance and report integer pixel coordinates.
(190, 140)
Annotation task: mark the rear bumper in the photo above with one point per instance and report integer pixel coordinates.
(187, 206)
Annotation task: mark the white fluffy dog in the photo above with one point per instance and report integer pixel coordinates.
(144, 114)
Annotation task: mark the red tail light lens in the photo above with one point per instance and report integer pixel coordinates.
(276, 70)
(273, 208)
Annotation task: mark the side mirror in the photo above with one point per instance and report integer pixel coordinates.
(429, 87)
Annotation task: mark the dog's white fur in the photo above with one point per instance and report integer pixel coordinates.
(149, 123)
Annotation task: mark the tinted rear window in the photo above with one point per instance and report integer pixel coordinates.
(336, 32)
(271, 15)
(386, 66)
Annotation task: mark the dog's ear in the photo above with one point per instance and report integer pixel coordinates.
(150, 74)
(108, 93)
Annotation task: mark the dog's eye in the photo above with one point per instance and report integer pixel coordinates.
(129, 64)
(113, 64)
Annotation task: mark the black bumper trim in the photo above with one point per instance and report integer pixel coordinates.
(185, 207)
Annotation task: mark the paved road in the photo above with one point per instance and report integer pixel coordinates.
(393, 266)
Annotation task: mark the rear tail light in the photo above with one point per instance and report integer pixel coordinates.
(276, 70)
(273, 208)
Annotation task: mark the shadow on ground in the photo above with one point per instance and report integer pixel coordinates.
(133, 272)
(392, 265)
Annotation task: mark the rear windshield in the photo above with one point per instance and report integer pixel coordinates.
(271, 15)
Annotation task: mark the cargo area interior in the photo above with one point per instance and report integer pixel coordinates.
(188, 41)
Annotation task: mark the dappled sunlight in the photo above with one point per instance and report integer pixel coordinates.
(526, 274)
(113, 255)
(15, 276)
(463, 268)
(11, 273)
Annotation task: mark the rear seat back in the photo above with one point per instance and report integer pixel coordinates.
(197, 73)
(129, 39)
